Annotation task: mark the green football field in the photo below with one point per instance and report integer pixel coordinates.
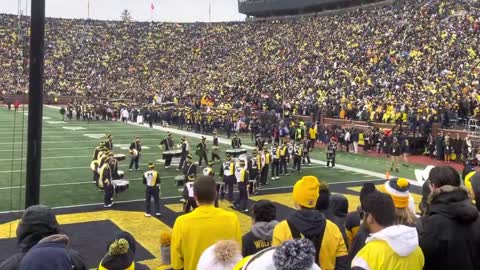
(68, 147)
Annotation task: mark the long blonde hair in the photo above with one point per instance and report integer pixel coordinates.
(403, 216)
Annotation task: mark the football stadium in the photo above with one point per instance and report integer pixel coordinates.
(319, 134)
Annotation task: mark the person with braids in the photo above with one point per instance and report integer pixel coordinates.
(120, 254)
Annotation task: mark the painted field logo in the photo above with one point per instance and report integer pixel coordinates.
(74, 128)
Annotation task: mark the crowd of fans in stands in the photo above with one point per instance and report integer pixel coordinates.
(384, 233)
(414, 56)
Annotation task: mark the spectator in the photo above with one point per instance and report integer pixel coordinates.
(472, 183)
(398, 189)
(282, 258)
(120, 254)
(323, 198)
(50, 253)
(449, 233)
(37, 222)
(260, 237)
(189, 239)
(331, 252)
(356, 232)
(390, 246)
(337, 213)
(224, 255)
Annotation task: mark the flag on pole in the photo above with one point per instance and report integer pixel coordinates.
(152, 7)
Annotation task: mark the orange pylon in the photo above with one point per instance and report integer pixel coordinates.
(387, 175)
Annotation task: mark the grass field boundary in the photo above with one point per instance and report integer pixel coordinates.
(177, 197)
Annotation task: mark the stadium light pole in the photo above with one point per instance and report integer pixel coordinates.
(35, 103)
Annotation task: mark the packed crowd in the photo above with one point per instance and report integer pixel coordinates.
(384, 233)
(414, 56)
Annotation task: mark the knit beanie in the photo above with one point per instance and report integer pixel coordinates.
(38, 221)
(305, 191)
(119, 256)
(297, 254)
(398, 189)
(224, 255)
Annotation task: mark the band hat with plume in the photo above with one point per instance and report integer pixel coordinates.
(398, 189)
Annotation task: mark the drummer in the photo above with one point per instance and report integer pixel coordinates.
(109, 142)
(189, 167)
(105, 183)
(185, 148)
(236, 142)
(188, 197)
(135, 149)
(202, 151)
(151, 180)
(215, 155)
(100, 148)
(167, 144)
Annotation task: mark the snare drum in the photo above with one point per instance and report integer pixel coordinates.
(120, 157)
(120, 185)
(172, 154)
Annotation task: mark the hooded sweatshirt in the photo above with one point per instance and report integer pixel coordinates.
(449, 234)
(393, 248)
(260, 237)
(37, 222)
(337, 213)
(309, 223)
(49, 254)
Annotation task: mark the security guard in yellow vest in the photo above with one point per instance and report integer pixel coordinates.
(241, 175)
(283, 158)
(297, 156)
(266, 160)
(152, 181)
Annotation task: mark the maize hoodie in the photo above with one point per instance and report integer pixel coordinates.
(393, 248)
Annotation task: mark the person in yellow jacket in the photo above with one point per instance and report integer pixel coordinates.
(189, 239)
(306, 222)
(389, 246)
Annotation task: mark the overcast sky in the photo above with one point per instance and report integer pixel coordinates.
(165, 10)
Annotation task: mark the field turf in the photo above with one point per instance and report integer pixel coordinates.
(67, 152)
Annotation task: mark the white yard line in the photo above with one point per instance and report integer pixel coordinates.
(228, 142)
(62, 157)
(89, 141)
(69, 168)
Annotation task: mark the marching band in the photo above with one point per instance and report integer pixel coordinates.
(249, 173)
